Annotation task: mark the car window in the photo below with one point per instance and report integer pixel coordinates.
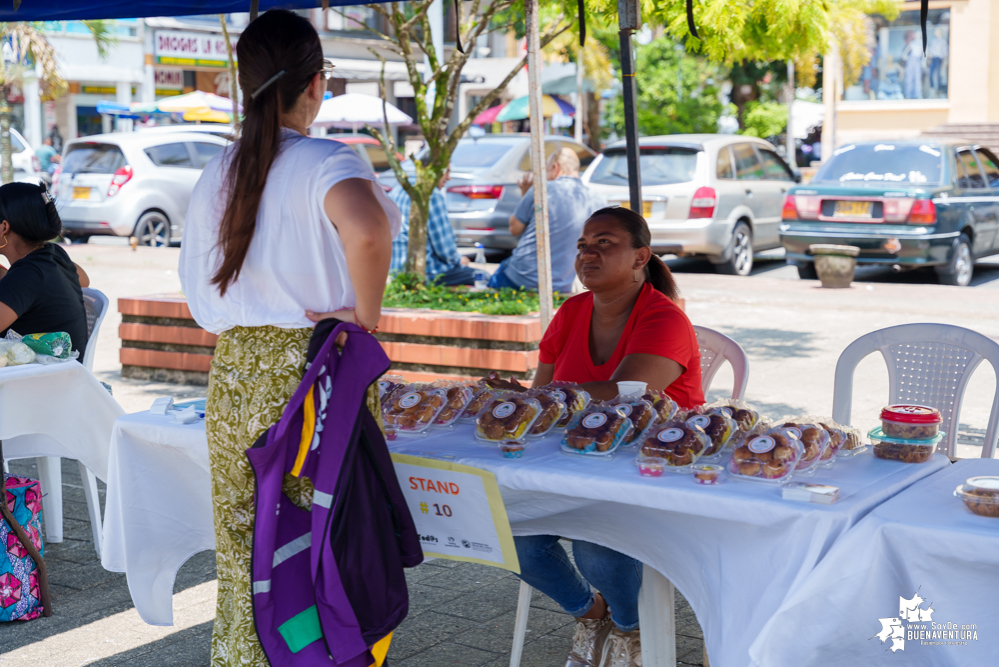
(92, 159)
(989, 165)
(379, 158)
(659, 166)
(970, 175)
(550, 147)
(473, 154)
(203, 152)
(169, 155)
(875, 165)
(747, 165)
(774, 168)
(15, 144)
(723, 167)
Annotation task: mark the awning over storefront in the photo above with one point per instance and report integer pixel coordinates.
(62, 10)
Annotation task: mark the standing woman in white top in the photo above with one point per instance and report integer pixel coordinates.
(282, 230)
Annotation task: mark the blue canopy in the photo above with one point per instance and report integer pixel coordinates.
(67, 10)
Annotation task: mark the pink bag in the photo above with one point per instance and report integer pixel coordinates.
(24, 590)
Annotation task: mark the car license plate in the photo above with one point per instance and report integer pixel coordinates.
(81, 193)
(853, 209)
(646, 207)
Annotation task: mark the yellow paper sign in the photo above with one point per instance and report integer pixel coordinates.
(458, 511)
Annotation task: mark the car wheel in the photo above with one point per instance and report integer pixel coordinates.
(961, 267)
(740, 262)
(806, 271)
(153, 229)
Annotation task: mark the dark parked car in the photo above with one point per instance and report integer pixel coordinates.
(906, 203)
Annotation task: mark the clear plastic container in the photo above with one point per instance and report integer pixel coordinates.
(458, 398)
(413, 408)
(480, 396)
(719, 427)
(903, 449)
(853, 443)
(769, 458)
(814, 440)
(597, 431)
(707, 473)
(512, 450)
(980, 495)
(552, 409)
(387, 385)
(665, 407)
(575, 399)
(642, 415)
(507, 418)
(910, 422)
(837, 436)
(650, 466)
(681, 445)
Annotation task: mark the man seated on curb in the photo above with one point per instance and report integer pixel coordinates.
(570, 203)
(444, 263)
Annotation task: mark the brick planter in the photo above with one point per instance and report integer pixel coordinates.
(160, 341)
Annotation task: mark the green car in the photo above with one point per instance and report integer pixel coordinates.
(905, 204)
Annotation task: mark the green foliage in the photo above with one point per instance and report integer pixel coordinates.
(663, 69)
(406, 290)
(764, 119)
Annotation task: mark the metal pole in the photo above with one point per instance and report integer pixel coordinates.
(538, 167)
(789, 132)
(629, 21)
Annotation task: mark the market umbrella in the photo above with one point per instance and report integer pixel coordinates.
(208, 116)
(488, 116)
(355, 110)
(550, 105)
(196, 101)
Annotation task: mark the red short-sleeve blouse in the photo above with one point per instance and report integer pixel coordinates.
(656, 326)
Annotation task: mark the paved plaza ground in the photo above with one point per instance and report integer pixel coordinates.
(462, 614)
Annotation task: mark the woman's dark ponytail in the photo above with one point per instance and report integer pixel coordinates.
(31, 212)
(656, 272)
(279, 54)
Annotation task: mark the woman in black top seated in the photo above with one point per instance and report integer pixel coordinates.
(40, 292)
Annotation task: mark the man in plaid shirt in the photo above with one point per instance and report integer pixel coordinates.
(444, 263)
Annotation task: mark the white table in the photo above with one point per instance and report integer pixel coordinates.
(57, 410)
(159, 507)
(925, 539)
(734, 551)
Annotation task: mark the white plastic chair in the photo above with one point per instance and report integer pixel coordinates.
(928, 364)
(716, 349)
(50, 467)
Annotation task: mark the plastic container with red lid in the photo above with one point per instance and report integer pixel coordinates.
(910, 422)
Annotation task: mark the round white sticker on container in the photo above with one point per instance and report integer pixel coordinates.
(670, 434)
(624, 410)
(794, 433)
(702, 421)
(504, 410)
(409, 400)
(761, 444)
(596, 420)
(727, 412)
(559, 394)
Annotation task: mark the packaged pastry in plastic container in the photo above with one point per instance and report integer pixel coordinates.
(837, 436)
(413, 408)
(459, 395)
(388, 384)
(910, 422)
(507, 419)
(814, 440)
(853, 442)
(747, 420)
(481, 394)
(650, 466)
(679, 444)
(980, 495)
(597, 431)
(904, 449)
(769, 458)
(642, 415)
(719, 427)
(552, 410)
(574, 397)
(665, 407)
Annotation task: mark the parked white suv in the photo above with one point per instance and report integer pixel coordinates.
(27, 168)
(716, 196)
(131, 184)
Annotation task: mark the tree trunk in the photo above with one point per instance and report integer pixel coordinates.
(416, 252)
(6, 166)
(593, 121)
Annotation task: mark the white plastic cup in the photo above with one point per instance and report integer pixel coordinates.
(631, 389)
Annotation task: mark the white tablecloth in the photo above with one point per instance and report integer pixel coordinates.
(923, 539)
(56, 410)
(734, 550)
(159, 507)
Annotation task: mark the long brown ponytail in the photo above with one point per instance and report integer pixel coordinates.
(656, 271)
(282, 50)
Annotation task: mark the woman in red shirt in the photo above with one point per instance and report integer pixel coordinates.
(626, 327)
